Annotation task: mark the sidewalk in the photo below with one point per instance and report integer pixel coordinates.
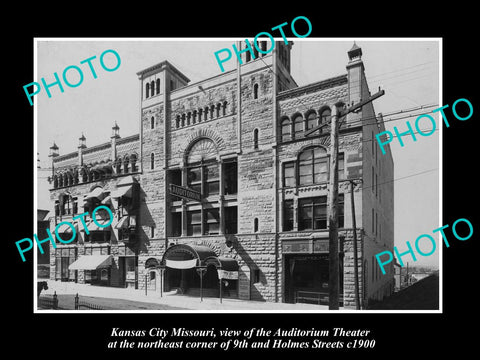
(178, 301)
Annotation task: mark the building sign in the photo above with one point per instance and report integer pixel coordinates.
(230, 275)
(320, 246)
(305, 246)
(297, 246)
(185, 193)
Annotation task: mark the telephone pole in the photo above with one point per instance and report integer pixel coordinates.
(333, 266)
(355, 251)
(333, 259)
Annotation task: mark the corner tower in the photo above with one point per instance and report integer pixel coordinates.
(156, 83)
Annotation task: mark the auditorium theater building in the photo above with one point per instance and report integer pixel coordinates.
(221, 180)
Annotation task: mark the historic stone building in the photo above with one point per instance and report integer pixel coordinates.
(222, 179)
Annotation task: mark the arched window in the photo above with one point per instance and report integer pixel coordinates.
(263, 46)
(224, 108)
(218, 109)
(203, 172)
(194, 116)
(152, 161)
(313, 166)
(84, 175)
(248, 56)
(126, 160)
(203, 175)
(133, 162)
(325, 116)
(152, 123)
(255, 225)
(286, 129)
(200, 112)
(183, 120)
(255, 91)
(189, 116)
(147, 90)
(118, 166)
(55, 181)
(255, 139)
(177, 121)
(206, 113)
(152, 87)
(75, 176)
(312, 120)
(158, 86)
(212, 109)
(298, 126)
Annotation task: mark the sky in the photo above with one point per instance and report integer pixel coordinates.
(407, 69)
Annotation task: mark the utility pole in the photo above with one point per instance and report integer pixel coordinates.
(355, 251)
(333, 259)
(333, 266)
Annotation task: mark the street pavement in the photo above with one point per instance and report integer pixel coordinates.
(186, 303)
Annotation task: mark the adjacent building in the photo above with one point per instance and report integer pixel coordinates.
(222, 180)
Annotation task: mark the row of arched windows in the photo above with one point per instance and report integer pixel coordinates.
(294, 127)
(152, 88)
(262, 45)
(125, 165)
(202, 114)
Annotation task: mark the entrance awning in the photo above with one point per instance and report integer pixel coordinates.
(122, 191)
(184, 256)
(181, 264)
(227, 268)
(227, 264)
(91, 262)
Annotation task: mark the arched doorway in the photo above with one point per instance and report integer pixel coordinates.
(180, 262)
(182, 267)
(152, 277)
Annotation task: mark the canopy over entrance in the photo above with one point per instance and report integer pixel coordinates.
(184, 256)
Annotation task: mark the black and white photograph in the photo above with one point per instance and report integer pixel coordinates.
(216, 187)
(251, 183)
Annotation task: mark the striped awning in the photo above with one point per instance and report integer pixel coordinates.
(181, 264)
(95, 193)
(122, 191)
(65, 229)
(91, 226)
(91, 262)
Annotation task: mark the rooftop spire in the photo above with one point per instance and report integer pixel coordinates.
(355, 53)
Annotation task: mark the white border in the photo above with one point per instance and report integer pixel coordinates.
(347, 311)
